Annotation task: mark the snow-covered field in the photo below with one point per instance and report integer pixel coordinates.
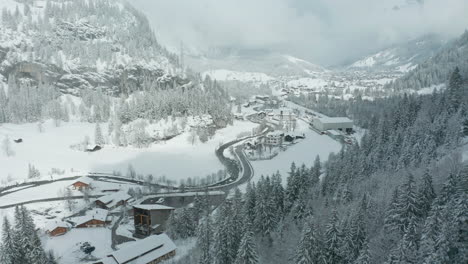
(304, 152)
(176, 159)
(228, 75)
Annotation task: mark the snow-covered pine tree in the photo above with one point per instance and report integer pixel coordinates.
(98, 137)
(247, 253)
(333, 241)
(309, 250)
(205, 240)
(7, 247)
(426, 194)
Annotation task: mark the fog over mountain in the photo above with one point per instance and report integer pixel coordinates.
(322, 31)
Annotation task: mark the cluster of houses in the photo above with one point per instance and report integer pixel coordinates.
(150, 222)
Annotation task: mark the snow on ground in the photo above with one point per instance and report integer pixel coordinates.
(51, 190)
(176, 158)
(308, 82)
(67, 247)
(304, 152)
(228, 75)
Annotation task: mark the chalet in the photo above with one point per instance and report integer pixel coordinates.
(82, 183)
(94, 218)
(56, 228)
(150, 218)
(151, 250)
(113, 200)
(274, 138)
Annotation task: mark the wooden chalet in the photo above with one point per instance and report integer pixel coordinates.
(82, 183)
(56, 228)
(94, 218)
(150, 218)
(151, 250)
(113, 200)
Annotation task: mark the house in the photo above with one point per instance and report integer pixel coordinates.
(151, 250)
(150, 218)
(82, 183)
(113, 200)
(56, 228)
(329, 123)
(94, 218)
(18, 140)
(274, 138)
(336, 135)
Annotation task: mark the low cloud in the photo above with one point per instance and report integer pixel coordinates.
(323, 31)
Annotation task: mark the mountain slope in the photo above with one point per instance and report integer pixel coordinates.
(402, 57)
(82, 44)
(436, 70)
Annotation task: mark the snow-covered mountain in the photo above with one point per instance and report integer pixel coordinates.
(240, 64)
(82, 44)
(402, 57)
(436, 69)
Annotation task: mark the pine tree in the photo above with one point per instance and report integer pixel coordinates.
(309, 250)
(455, 89)
(247, 253)
(316, 171)
(426, 194)
(98, 138)
(205, 241)
(7, 247)
(333, 240)
(364, 254)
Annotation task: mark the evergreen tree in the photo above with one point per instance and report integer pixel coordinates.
(98, 138)
(333, 241)
(426, 194)
(247, 253)
(455, 89)
(364, 254)
(309, 250)
(205, 241)
(7, 247)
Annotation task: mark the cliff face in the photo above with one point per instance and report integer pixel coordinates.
(77, 45)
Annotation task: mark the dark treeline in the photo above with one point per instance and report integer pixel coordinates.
(400, 196)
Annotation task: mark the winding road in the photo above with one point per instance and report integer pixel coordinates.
(240, 171)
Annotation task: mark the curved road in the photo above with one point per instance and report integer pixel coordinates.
(234, 168)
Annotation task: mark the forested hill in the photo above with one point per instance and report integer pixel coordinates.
(82, 44)
(436, 70)
(105, 53)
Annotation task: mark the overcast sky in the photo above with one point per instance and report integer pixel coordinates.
(322, 31)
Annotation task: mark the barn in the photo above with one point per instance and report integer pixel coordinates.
(56, 228)
(151, 250)
(328, 123)
(82, 183)
(150, 218)
(95, 218)
(113, 200)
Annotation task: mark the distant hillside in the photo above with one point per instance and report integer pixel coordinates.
(270, 63)
(436, 70)
(403, 57)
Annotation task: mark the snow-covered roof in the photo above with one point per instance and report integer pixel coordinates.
(142, 251)
(96, 213)
(153, 207)
(335, 120)
(114, 198)
(51, 225)
(84, 179)
(275, 133)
